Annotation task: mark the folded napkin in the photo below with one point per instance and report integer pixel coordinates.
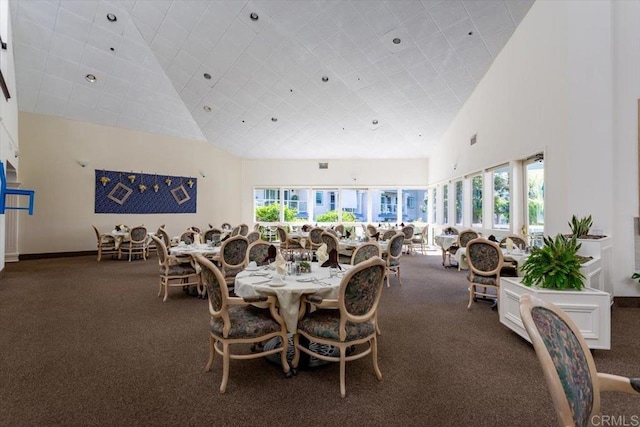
(492, 238)
(402, 224)
(332, 261)
(348, 234)
(303, 242)
(271, 255)
(281, 264)
(321, 253)
(305, 228)
(376, 236)
(509, 244)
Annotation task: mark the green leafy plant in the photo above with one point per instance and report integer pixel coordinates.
(271, 213)
(580, 226)
(332, 216)
(636, 276)
(556, 265)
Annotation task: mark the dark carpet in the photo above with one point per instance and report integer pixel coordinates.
(88, 343)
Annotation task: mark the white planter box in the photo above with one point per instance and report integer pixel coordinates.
(589, 309)
(603, 249)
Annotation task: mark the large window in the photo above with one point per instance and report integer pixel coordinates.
(534, 172)
(458, 188)
(324, 209)
(267, 205)
(354, 205)
(501, 197)
(295, 204)
(434, 205)
(414, 206)
(385, 206)
(476, 201)
(445, 204)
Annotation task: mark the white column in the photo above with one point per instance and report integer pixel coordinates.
(11, 227)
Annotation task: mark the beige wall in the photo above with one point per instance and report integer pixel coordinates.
(375, 173)
(64, 209)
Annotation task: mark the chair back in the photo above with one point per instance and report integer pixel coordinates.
(365, 251)
(235, 231)
(253, 236)
(371, 229)
(331, 241)
(258, 251)
(484, 257)
(225, 226)
(408, 231)
(360, 292)
(339, 228)
(233, 253)
(388, 234)
(188, 237)
(244, 229)
(518, 240)
(282, 234)
(566, 361)
(315, 236)
(450, 230)
(331, 231)
(138, 234)
(217, 290)
(98, 234)
(161, 250)
(466, 236)
(196, 229)
(164, 236)
(212, 235)
(394, 250)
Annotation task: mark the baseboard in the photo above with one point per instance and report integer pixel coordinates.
(25, 257)
(626, 302)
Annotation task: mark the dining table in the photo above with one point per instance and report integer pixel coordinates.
(211, 252)
(445, 241)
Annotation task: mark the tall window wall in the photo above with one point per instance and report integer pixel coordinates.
(415, 204)
(385, 205)
(458, 202)
(476, 200)
(501, 197)
(445, 204)
(267, 205)
(534, 178)
(326, 204)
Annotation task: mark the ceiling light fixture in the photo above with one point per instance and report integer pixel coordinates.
(274, 119)
(254, 16)
(397, 41)
(325, 79)
(375, 122)
(90, 78)
(470, 33)
(207, 108)
(111, 17)
(207, 76)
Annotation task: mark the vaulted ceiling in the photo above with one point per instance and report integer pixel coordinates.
(263, 79)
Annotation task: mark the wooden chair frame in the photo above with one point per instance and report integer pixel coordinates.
(474, 293)
(106, 243)
(166, 262)
(134, 246)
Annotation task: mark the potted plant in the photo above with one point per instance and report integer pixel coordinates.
(556, 265)
(580, 228)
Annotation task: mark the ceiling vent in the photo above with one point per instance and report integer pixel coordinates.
(474, 139)
(323, 165)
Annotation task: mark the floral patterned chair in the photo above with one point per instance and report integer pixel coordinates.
(174, 271)
(188, 236)
(106, 243)
(244, 230)
(233, 253)
(212, 235)
(485, 261)
(162, 233)
(253, 236)
(315, 239)
(136, 245)
(567, 363)
(365, 251)
(353, 323)
(388, 235)
(258, 252)
(392, 256)
(408, 231)
(287, 244)
(237, 321)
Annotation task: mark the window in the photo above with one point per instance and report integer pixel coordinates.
(354, 205)
(319, 195)
(458, 187)
(323, 213)
(445, 204)
(386, 210)
(266, 204)
(476, 201)
(332, 200)
(414, 207)
(295, 204)
(434, 204)
(501, 197)
(534, 177)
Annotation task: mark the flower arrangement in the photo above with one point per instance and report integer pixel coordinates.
(167, 181)
(190, 183)
(142, 188)
(105, 180)
(131, 178)
(156, 187)
(304, 267)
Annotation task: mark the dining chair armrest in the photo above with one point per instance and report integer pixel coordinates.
(255, 298)
(610, 382)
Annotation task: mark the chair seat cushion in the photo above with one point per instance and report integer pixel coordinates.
(326, 324)
(394, 263)
(179, 270)
(127, 245)
(483, 280)
(246, 322)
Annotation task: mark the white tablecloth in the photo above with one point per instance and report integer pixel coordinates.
(519, 258)
(445, 240)
(250, 284)
(202, 249)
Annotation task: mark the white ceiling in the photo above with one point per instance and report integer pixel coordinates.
(150, 67)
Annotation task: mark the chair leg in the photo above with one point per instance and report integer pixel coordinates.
(343, 363)
(398, 275)
(472, 290)
(212, 353)
(374, 355)
(160, 287)
(225, 366)
(377, 326)
(99, 253)
(296, 351)
(166, 291)
(283, 355)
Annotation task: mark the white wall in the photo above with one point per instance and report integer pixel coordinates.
(64, 208)
(552, 90)
(376, 173)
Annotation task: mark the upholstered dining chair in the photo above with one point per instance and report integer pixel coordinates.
(517, 239)
(225, 226)
(392, 256)
(371, 229)
(212, 235)
(510, 266)
(408, 231)
(137, 243)
(330, 240)
(164, 236)
(233, 253)
(188, 236)
(315, 239)
(235, 231)
(339, 229)
(244, 230)
(258, 252)
(353, 323)
(388, 235)
(422, 239)
(287, 244)
(106, 243)
(365, 251)
(451, 250)
(485, 261)
(174, 271)
(253, 236)
(567, 364)
(237, 321)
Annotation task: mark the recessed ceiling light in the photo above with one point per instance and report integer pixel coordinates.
(375, 122)
(397, 41)
(207, 76)
(207, 108)
(90, 78)
(325, 79)
(274, 119)
(254, 16)
(470, 33)
(111, 17)
(112, 49)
